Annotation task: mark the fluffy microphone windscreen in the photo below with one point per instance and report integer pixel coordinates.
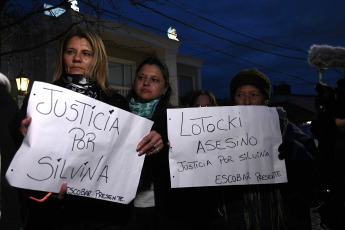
(325, 56)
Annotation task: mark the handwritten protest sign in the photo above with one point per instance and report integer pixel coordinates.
(79, 140)
(232, 145)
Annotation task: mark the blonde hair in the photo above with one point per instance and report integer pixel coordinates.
(197, 93)
(98, 68)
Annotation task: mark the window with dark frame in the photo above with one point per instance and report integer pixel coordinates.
(120, 74)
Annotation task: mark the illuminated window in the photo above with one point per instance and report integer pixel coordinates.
(185, 85)
(120, 72)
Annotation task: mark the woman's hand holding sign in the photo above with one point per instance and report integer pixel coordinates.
(150, 144)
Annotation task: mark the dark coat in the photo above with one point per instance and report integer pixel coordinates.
(156, 167)
(331, 145)
(75, 211)
(285, 205)
(176, 208)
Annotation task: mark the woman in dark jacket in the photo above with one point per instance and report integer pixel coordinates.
(149, 98)
(272, 206)
(81, 66)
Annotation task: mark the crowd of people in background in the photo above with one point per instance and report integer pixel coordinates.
(81, 66)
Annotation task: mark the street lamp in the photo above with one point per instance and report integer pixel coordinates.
(22, 83)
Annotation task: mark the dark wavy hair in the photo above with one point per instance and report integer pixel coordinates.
(165, 72)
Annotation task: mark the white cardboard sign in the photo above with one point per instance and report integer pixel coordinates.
(79, 140)
(230, 145)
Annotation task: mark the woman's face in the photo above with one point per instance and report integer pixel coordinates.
(149, 83)
(249, 95)
(202, 101)
(77, 55)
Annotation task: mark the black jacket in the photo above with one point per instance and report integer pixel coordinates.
(176, 208)
(285, 205)
(156, 166)
(75, 211)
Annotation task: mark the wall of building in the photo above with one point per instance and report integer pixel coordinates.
(122, 41)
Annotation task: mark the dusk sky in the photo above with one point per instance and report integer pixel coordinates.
(271, 35)
(274, 36)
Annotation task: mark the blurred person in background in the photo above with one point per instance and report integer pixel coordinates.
(9, 125)
(329, 129)
(202, 98)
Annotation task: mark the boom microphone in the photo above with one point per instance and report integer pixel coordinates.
(325, 56)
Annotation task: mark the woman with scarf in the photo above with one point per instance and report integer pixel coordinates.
(149, 98)
(81, 66)
(271, 206)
